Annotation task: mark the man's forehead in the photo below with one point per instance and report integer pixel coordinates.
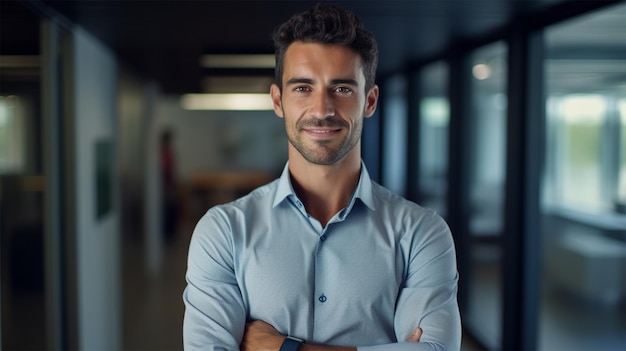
(303, 58)
(306, 46)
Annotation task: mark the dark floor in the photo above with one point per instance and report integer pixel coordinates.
(153, 307)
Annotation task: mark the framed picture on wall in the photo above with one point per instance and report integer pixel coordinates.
(103, 173)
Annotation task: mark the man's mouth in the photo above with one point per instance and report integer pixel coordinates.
(323, 127)
(322, 131)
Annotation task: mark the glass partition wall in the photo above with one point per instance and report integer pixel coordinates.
(22, 236)
(584, 194)
(35, 308)
(487, 143)
(434, 112)
(394, 138)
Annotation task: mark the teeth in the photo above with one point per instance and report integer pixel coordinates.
(320, 131)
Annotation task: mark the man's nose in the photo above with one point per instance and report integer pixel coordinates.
(323, 105)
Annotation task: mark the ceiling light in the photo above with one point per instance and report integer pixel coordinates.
(237, 84)
(227, 102)
(238, 61)
(481, 71)
(19, 61)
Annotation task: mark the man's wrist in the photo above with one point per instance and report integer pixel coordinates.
(291, 344)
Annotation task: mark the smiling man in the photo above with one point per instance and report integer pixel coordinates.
(322, 258)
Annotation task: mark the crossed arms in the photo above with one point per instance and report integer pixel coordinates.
(224, 310)
(261, 336)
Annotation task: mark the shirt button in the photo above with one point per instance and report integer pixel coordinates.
(322, 298)
(323, 237)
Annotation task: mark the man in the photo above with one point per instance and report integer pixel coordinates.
(322, 254)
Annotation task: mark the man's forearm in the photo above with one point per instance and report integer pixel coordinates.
(310, 347)
(261, 336)
(414, 337)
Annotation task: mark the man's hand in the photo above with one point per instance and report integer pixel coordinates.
(260, 336)
(415, 335)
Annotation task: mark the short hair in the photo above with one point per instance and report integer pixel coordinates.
(327, 24)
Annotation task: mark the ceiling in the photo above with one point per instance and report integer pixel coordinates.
(164, 39)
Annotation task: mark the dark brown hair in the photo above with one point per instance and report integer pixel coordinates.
(327, 24)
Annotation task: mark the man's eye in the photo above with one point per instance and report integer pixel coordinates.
(343, 90)
(302, 89)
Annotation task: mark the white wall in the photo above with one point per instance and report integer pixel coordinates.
(97, 239)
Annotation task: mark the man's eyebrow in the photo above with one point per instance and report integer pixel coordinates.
(299, 81)
(351, 82)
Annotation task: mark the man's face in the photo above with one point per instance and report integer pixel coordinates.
(323, 100)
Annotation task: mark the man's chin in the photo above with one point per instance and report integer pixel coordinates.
(322, 160)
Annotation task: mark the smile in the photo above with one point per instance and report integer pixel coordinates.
(322, 131)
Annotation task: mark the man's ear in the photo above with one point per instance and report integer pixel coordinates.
(372, 101)
(275, 93)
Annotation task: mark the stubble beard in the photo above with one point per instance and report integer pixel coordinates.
(323, 152)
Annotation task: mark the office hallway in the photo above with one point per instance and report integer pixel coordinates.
(153, 307)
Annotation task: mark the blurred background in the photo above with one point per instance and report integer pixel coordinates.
(122, 122)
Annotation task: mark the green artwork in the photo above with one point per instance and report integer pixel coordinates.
(104, 186)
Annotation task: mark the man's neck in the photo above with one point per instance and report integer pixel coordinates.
(325, 190)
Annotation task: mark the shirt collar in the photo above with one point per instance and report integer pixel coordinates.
(363, 190)
(284, 189)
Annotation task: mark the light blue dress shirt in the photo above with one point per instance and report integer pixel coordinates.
(380, 268)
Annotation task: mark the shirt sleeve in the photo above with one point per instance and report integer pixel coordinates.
(215, 315)
(428, 298)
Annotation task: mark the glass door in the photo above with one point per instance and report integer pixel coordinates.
(22, 181)
(433, 138)
(487, 140)
(584, 195)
